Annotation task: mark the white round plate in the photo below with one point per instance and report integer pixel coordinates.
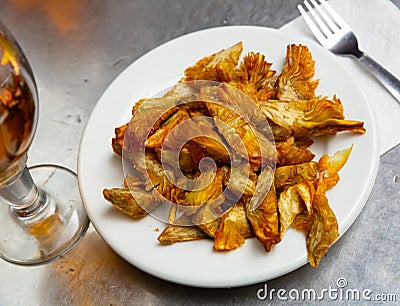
(195, 263)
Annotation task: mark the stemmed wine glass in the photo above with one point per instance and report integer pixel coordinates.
(41, 213)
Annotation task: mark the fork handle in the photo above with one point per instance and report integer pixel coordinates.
(387, 79)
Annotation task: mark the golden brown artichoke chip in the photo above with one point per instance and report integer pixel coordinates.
(228, 106)
(314, 117)
(293, 174)
(123, 200)
(289, 206)
(157, 139)
(265, 218)
(256, 70)
(118, 141)
(331, 165)
(219, 66)
(175, 233)
(288, 153)
(234, 229)
(324, 230)
(210, 228)
(303, 223)
(295, 81)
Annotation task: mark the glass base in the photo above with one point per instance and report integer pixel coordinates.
(32, 239)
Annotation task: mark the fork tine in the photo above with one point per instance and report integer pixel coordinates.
(326, 18)
(341, 23)
(317, 19)
(317, 33)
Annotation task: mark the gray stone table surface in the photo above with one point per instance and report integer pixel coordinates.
(76, 48)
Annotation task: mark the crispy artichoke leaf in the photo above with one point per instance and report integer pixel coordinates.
(147, 119)
(289, 153)
(254, 69)
(315, 117)
(264, 181)
(186, 160)
(151, 174)
(210, 228)
(334, 126)
(303, 223)
(306, 191)
(280, 133)
(293, 174)
(233, 230)
(265, 219)
(157, 139)
(155, 172)
(295, 81)
(330, 165)
(176, 233)
(202, 206)
(228, 106)
(241, 180)
(219, 66)
(118, 141)
(255, 77)
(150, 113)
(289, 206)
(324, 230)
(122, 199)
(210, 192)
(200, 139)
(293, 201)
(200, 219)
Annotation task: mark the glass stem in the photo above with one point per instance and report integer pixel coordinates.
(21, 193)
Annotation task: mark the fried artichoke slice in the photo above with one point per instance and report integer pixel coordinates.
(255, 77)
(199, 138)
(210, 228)
(229, 108)
(264, 217)
(175, 233)
(186, 159)
(303, 223)
(157, 139)
(295, 81)
(219, 66)
(149, 180)
(331, 165)
(203, 206)
(234, 229)
(256, 70)
(324, 230)
(315, 117)
(293, 201)
(150, 113)
(288, 153)
(289, 206)
(118, 141)
(241, 179)
(122, 199)
(293, 174)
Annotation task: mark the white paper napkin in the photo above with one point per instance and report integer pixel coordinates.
(377, 27)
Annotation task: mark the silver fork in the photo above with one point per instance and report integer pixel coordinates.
(334, 34)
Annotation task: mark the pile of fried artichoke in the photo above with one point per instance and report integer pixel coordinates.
(297, 184)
